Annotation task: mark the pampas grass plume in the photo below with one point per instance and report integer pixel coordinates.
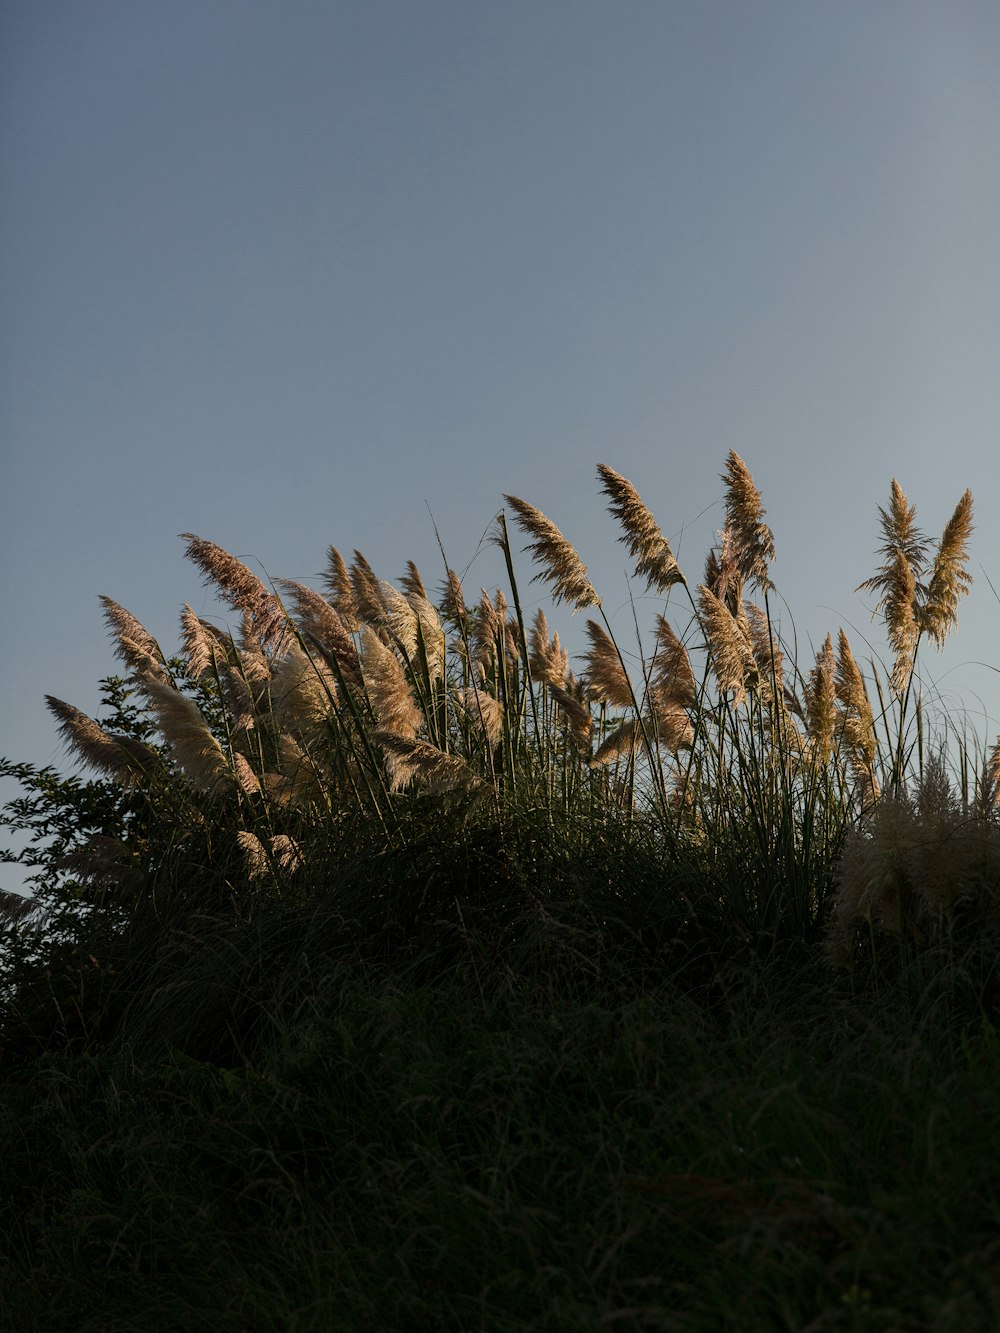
(120, 756)
(752, 538)
(182, 726)
(388, 691)
(560, 563)
(134, 645)
(338, 584)
(265, 622)
(654, 559)
(606, 678)
(950, 579)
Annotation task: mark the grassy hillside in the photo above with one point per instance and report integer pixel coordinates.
(389, 974)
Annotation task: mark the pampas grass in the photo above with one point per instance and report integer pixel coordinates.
(183, 727)
(753, 541)
(389, 693)
(729, 646)
(949, 579)
(205, 647)
(341, 590)
(560, 564)
(121, 757)
(134, 645)
(264, 620)
(402, 854)
(606, 677)
(654, 559)
(339, 711)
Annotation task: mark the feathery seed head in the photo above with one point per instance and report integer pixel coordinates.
(669, 724)
(407, 761)
(729, 646)
(722, 571)
(365, 588)
(904, 553)
(767, 654)
(671, 678)
(399, 618)
(246, 778)
(413, 584)
(752, 538)
(452, 600)
(303, 692)
(654, 559)
(187, 733)
(287, 852)
(623, 741)
(571, 699)
(990, 795)
(606, 679)
(821, 704)
(492, 632)
(338, 584)
(205, 647)
(560, 563)
(388, 690)
(486, 711)
(324, 625)
(264, 619)
(134, 645)
(549, 662)
(949, 579)
(120, 756)
(857, 721)
(432, 634)
(255, 858)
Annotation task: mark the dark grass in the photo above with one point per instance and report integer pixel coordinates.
(423, 1158)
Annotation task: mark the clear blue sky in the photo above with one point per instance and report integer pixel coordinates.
(291, 274)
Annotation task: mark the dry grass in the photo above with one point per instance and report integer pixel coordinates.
(350, 698)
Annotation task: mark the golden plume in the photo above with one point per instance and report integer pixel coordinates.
(560, 563)
(486, 711)
(134, 645)
(264, 619)
(182, 726)
(654, 559)
(606, 678)
(413, 584)
(388, 690)
(949, 579)
(122, 757)
(205, 647)
(365, 586)
(752, 538)
(410, 760)
(324, 625)
(622, 741)
(671, 677)
(338, 584)
(729, 646)
(821, 704)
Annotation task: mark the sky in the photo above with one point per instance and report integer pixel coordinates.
(295, 274)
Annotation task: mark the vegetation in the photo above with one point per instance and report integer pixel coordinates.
(391, 975)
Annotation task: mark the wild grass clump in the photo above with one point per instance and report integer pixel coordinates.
(392, 972)
(425, 782)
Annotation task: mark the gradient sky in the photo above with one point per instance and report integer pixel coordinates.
(300, 273)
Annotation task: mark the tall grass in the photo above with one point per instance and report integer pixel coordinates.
(389, 973)
(427, 778)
